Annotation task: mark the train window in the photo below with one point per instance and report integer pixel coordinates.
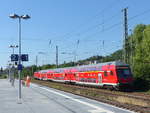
(76, 75)
(111, 72)
(105, 73)
(124, 73)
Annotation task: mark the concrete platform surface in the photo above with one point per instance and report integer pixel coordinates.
(41, 99)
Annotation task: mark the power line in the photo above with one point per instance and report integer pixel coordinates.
(94, 17)
(116, 24)
(137, 15)
(106, 29)
(92, 27)
(97, 25)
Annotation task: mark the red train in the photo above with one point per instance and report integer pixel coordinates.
(110, 74)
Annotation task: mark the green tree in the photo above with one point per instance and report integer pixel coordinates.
(138, 50)
(146, 53)
(139, 54)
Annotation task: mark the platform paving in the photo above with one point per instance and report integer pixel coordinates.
(40, 99)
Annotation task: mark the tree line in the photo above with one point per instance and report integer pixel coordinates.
(138, 54)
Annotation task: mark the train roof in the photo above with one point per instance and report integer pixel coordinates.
(91, 67)
(117, 63)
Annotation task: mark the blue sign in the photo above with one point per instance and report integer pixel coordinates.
(14, 57)
(24, 57)
(19, 67)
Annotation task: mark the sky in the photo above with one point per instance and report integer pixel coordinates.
(80, 28)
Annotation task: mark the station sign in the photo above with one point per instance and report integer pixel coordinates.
(14, 57)
(24, 57)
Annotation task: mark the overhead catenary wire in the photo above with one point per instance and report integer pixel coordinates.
(107, 28)
(116, 24)
(93, 17)
(90, 28)
(97, 25)
(139, 14)
(119, 23)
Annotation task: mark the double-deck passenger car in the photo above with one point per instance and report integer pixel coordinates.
(110, 74)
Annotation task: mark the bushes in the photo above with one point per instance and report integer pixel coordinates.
(3, 76)
(141, 84)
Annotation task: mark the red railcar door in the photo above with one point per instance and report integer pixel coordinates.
(99, 78)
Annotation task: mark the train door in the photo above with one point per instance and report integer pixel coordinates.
(72, 77)
(99, 78)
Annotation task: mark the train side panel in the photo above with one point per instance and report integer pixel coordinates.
(109, 75)
(105, 74)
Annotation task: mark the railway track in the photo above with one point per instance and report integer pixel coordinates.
(138, 102)
(145, 97)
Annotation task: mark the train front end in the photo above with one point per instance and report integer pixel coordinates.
(124, 76)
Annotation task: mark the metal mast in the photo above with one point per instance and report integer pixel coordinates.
(57, 56)
(125, 53)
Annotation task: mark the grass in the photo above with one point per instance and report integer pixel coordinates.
(148, 92)
(132, 101)
(3, 76)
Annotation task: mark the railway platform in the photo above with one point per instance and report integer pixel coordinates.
(41, 99)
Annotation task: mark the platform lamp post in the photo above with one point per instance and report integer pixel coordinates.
(15, 16)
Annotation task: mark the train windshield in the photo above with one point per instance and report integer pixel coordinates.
(124, 73)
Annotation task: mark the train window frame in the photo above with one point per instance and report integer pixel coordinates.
(111, 73)
(105, 73)
(123, 74)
